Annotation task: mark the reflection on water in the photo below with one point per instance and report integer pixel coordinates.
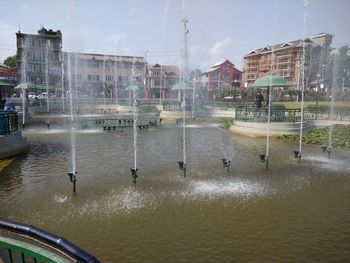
(247, 214)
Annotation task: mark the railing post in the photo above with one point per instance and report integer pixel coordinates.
(10, 255)
(8, 123)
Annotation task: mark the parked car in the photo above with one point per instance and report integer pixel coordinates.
(42, 95)
(31, 95)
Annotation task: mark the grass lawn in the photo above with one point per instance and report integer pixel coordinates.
(297, 105)
(320, 136)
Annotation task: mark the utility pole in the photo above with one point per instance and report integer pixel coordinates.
(145, 80)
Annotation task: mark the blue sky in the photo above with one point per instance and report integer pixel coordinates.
(218, 29)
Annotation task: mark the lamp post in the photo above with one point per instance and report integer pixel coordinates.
(317, 87)
(145, 80)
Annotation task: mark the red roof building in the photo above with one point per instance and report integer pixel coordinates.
(222, 74)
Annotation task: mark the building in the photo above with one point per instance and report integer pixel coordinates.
(41, 61)
(8, 73)
(160, 80)
(39, 58)
(285, 60)
(11, 77)
(104, 76)
(221, 75)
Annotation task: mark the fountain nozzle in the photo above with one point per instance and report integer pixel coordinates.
(324, 148)
(329, 149)
(262, 157)
(226, 163)
(297, 155)
(182, 165)
(72, 179)
(134, 174)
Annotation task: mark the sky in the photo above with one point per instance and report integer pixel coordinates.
(218, 29)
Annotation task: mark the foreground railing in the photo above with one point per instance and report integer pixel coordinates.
(8, 122)
(16, 250)
(277, 114)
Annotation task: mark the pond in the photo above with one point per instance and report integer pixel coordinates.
(291, 212)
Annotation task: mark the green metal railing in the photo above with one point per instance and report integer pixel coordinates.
(8, 122)
(250, 113)
(26, 243)
(19, 251)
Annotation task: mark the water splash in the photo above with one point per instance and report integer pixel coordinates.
(329, 164)
(60, 198)
(123, 201)
(212, 189)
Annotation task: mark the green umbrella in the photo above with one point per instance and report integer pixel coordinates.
(6, 82)
(132, 88)
(26, 85)
(270, 81)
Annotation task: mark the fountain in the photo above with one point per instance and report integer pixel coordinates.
(163, 200)
(47, 65)
(135, 121)
(211, 215)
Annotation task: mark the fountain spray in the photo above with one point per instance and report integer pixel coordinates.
(47, 73)
(135, 117)
(265, 158)
(24, 79)
(335, 87)
(62, 82)
(298, 154)
(73, 173)
(184, 76)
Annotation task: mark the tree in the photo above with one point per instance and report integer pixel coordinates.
(195, 74)
(339, 68)
(11, 62)
(344, 66)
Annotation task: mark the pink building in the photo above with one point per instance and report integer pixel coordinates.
(222, 74)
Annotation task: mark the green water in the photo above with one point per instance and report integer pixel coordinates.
(293, 212)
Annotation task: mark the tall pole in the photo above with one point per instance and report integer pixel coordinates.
(317, 88)
(145, 80)
(160, 86)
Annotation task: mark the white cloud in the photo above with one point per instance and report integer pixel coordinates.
(204, 57)
(220, 47)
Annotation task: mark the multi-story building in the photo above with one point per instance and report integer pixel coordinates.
(222, 74)
(39, 58)
(40, 61)
(160, 80)
(285, 60)
(98, 75)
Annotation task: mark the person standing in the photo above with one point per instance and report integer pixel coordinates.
(259, 98)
